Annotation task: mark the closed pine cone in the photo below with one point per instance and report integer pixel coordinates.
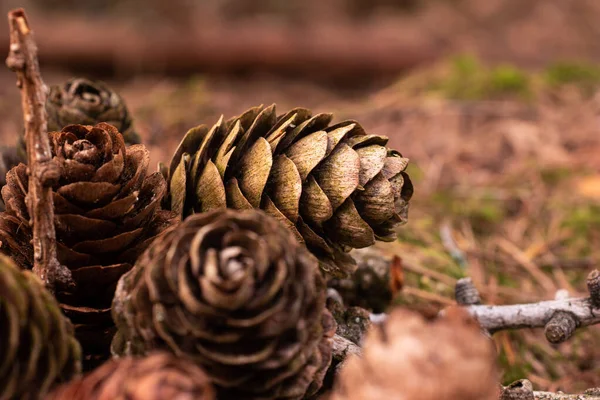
(87, 102)
(106, 212)
(37, 346)
(334, 186)
(235, 292)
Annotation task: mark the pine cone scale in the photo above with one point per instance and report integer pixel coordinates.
(376, 202)
(98, 275)
(82, 227)
(89, 193)
(271, 209)
(260, 127)
(338, 175)
(372, 160)
(256, 167)
(308, 152)
(112, 210)
(315, 206)
(285, 187)
(348, 228)
(211, 189)
(108, 245)
(317, 123)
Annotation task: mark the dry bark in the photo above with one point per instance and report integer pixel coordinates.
(560, 317)
(22, 59)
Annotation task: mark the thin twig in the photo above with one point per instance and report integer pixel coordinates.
(22, 59)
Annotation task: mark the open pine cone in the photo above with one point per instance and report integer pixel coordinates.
(37, 347)
(334, 186)
(106, 213)
(160, 376)
(237, 293)
(409, 358)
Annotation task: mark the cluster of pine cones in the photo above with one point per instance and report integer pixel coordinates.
(206, 279)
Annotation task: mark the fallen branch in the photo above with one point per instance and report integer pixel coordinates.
(560, 317)
(22, 59)
(523, 390)
(96, 46)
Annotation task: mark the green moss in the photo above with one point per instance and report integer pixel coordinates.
(469, 79)
(582, 74)
(483, 212)
(553, 176)
(508, 80)
(465, 77)
(583, 219)
(464, 80)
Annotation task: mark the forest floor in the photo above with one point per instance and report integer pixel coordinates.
(506, 169)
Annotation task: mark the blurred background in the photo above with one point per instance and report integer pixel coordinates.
(496, 102)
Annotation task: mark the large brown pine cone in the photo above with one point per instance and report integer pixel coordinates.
(106, 213)
(334, 186)
(37, 346)
(160, 376)
(409, 358)
(237, 293)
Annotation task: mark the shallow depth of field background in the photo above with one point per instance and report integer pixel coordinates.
(496, 102)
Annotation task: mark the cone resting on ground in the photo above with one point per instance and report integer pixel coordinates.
(408, 358)
(37, 346)
(76, 101)
(106, 212)
(334, 186)
(86, 102)
(237, 293)
(159, 376)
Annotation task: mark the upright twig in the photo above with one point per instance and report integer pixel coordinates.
(22, 58)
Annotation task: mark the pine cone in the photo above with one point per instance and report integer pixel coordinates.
(37, 347)
(408, 358)
(106, 213)
(86, 102)
(334, 186)
(160, 376)
(77, 101)
(238, 294)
